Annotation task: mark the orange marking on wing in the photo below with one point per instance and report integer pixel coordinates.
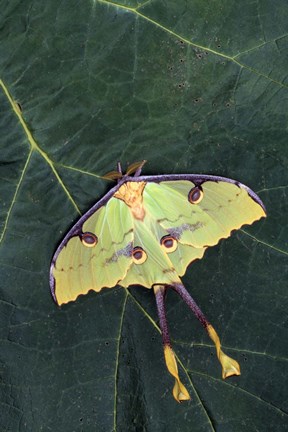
(132, 194)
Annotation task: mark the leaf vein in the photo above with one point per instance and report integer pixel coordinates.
(193, 44)
(34, 146)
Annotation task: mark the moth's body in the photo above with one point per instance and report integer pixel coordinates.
(146, 231)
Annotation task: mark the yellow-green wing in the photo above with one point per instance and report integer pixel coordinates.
(97, 256)
(224, 207)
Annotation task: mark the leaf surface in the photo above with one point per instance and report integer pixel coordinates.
(191, 87)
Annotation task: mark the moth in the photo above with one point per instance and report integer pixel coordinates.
(146, 231)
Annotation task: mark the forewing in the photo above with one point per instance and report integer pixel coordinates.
(78, 268)
(225, 206)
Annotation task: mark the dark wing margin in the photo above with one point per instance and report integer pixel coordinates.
(198, 179)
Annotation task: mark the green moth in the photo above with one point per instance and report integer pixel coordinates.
(147, 230)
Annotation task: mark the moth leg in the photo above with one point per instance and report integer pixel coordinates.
(180, 392)
(229, 366)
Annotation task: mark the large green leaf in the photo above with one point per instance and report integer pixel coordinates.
(191, 87)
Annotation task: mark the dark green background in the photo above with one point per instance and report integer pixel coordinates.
(191, 86)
